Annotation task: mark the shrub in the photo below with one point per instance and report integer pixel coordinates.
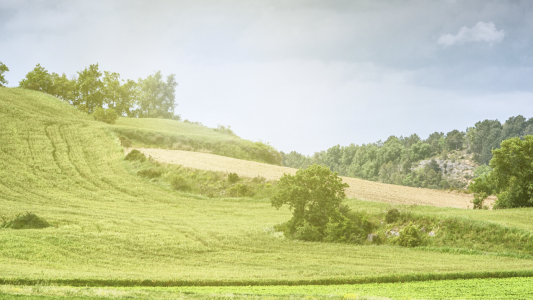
(105, 115)
(478, 200)
(135, 155)
(313, 195)
(240, 190)
(149, 173)
(342, 229)
(308, 232)
(392, 215)
(233, 177)
(26, 221)
(125, 142)
(179, 183)
(409, 236)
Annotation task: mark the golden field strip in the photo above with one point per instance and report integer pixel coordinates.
(359, 189)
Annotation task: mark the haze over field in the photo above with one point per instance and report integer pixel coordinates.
(294, 73)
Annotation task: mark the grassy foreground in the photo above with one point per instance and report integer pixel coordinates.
(509, 288)
(112, 227)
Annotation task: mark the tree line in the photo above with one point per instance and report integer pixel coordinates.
(391, 161)
(94, 91)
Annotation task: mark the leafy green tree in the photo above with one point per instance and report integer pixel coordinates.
(434, 141)
(37, 79)
(3, 69)
(157, 96)
(485, 136)
(105, 115)
(90, 89)
(512, 173)
(313, 195)
(111, 89)
(454, 140)
(64, 88)
(419, 151)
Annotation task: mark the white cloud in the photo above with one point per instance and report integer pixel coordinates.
(481, 32)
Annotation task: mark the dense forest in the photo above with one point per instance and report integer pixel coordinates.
(394, 160)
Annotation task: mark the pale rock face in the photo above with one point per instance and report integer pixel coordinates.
(431, 233)
(456, 167)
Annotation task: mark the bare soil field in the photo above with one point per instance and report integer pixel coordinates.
(359, 189)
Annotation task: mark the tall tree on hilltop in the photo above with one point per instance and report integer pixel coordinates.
(157, 97)
(90, 88)
(3, 69)
(37, 79)
(64, 88)
(454, 139)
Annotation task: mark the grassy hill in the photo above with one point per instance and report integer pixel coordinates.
(112, 227)
(177, 135)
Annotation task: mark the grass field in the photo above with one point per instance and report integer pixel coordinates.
(359, 189)
(176, 135)
(507, 288)
(111, 227)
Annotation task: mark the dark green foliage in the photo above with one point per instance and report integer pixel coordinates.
(313, 195)
(135, 155)
(125, 142)
(179, 183)
(454, 140)
(233, 177)
(409, 236)
(341, 228)
(149, 173)
(209, 183)
(391, 161)
(240, 190)
(27, 221)
(479, 199)
(105, 115)
(512, 174)
(392, 215)
(308, 232)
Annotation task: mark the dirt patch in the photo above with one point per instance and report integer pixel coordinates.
(359, 189)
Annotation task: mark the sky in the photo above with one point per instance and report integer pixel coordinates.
(301, 75)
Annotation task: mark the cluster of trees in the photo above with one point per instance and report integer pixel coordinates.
(391, 161)
(92, 90)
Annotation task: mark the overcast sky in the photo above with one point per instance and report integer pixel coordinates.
(302, 75)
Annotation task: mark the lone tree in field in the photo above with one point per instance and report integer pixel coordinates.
(512, 173)
(313, 195)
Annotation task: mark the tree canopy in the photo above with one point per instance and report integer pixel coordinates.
(313, 195)
(512, 173)
(152, 97)
(3, 69)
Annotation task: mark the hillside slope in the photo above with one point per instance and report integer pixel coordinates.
(358, 188)
(177, 135)
(109, 224)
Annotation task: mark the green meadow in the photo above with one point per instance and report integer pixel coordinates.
(111, 227)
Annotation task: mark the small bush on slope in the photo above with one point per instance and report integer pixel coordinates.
(135, 155)
(27, 221)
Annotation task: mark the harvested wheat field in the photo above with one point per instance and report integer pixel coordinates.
(359, 189)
